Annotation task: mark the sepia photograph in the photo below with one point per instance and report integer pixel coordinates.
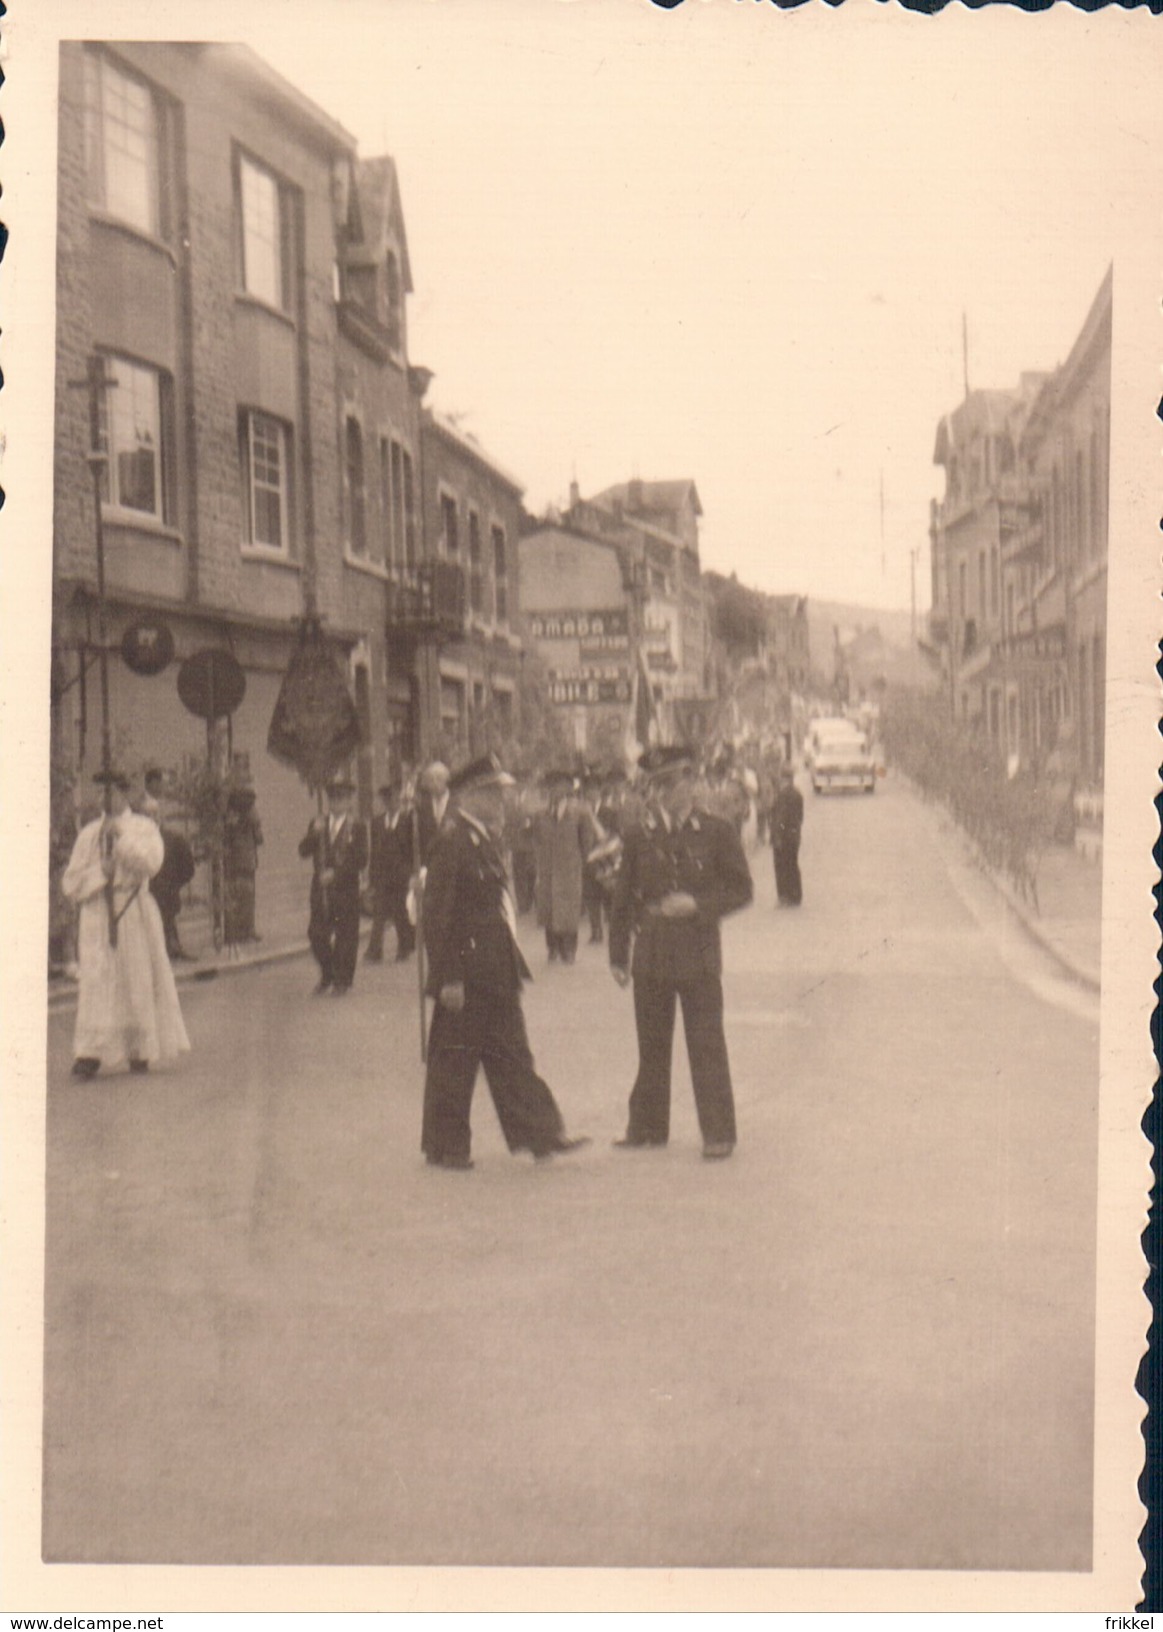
(587, 612)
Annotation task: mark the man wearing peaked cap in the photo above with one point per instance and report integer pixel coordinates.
(475, 975)
(682, 870)
(338, 848)
(566, 833)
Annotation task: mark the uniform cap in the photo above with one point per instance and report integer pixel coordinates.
(485, 772)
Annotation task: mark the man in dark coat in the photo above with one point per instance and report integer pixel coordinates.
(787, 821)
(475, 972)
(682, 870)
(337, 844)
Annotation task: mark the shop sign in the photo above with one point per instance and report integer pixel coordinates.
(593, 627)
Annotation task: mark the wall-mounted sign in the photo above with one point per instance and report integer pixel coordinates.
(588, 689)
(147, 646)
(211, 684)
(592, 627)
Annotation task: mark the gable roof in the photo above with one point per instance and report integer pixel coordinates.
(645, 498)
(378, 216)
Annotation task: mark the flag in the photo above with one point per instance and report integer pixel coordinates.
(315, 726)
(642, 725)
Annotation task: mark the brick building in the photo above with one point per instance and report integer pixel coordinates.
(473, 510)
(196, 258)
(1019, 558)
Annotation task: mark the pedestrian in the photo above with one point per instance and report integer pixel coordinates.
(787, 821)
(431, 806)
(566, 834)
(337, 844)
(127, 1007)
(593, 896)
(475, 973)
(523, 847)
(241, 838)
(176, 870)
(682, 870)
(389, 867)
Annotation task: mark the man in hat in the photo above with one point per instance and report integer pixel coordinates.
(475, 973)
(241, 838)
(566, 833)
(127, 1007)
(337, 845)
(682, 870)
(389, 868)
(787, 821)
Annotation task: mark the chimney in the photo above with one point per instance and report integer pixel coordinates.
(574, 495)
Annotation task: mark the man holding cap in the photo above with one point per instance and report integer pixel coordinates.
(337, 844)
(682, 870)
(475, 974)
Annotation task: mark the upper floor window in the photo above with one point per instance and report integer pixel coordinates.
(476, 588)
(449, 526)
(409, 491)
(122, 145)
(263, 208)
(500, 575)
(387, 517)
(394, 313)
(264, 456)
(133, 429)
(356, 500)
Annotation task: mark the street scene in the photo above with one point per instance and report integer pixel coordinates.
(309, 1347)
(578, 786)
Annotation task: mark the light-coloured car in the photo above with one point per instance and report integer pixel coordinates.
(837, 756)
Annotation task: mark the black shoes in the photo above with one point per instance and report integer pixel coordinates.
(455, 1164)
(562, 1146)
(341, 988)
(139, 1065)
(636, 1141)
(86, 1067)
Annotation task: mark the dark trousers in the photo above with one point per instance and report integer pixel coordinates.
(702, 1018)
(334, 936)
(561, 944)
(488, 1031)
(593, 898)
(524, 879)
(788, 884)
(390, 902)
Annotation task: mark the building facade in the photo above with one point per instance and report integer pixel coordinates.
(1019, 559)
(473, 513)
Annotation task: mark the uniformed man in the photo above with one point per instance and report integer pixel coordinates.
(337, 844)
(682, 870)
(475, 974)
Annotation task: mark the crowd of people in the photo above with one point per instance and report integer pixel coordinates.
(650, 863)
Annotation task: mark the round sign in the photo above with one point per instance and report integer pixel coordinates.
(147, 646)
(211, 683)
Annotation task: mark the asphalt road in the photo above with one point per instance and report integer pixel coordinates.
(273, 1335)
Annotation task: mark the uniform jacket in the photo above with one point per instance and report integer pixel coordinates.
(390, 862)
(346, 855)
(704, 858)
(564, 840)
(466, 933)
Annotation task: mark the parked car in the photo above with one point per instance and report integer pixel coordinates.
(837, 756)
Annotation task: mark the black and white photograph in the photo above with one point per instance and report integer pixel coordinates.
(580, 607)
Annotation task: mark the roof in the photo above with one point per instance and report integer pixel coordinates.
(246, 63)
(466, 443)
(984, 413)
(380, 214)
(643, 498)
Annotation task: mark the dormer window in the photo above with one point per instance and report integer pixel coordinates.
(395, 310)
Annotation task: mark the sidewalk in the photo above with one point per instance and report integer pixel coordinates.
(1067, 920)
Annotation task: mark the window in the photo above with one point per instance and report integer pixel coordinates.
(264, 448)
(356, 500)
(133, 428)
(121, 145)
(387, 540)
(395, 314)
(994, 583)
(409, 511)
(476, 576)
(263, 218)
(500, 575)
(449, 526)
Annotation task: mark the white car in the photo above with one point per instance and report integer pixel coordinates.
(837, 756)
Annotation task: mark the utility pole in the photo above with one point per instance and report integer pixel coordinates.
(913, 554)
(97, 383)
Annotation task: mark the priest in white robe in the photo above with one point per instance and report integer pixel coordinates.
(127, 1011)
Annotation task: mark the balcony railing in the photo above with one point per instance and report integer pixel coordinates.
(432, 601)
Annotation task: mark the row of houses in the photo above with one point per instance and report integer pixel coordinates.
(1019, 548)
(238, 417)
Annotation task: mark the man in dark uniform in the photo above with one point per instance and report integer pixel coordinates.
(475, 975)
(787, 820)
(337, 844)
(682, 870)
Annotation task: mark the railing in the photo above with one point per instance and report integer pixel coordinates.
(430, 601)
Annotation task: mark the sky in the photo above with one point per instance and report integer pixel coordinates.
(736, 244)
